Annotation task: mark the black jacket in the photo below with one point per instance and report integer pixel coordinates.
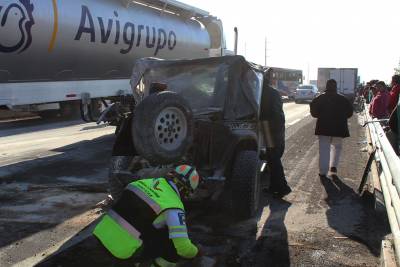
(332, 111)
(271, 110)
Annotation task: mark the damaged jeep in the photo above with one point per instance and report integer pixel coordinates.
(201, 112)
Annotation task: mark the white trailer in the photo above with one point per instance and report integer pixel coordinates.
(55, 54)
(346, 79)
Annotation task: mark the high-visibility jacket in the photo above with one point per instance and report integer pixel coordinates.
(129, 223)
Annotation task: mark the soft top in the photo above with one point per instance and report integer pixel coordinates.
(228, 83)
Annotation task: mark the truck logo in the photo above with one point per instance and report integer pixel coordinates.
(127, 34)
(17, 18)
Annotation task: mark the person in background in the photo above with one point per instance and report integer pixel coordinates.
(273, 121)
(365, 92)
(372, 90)
(332, 111)
(379, 105)
(394, 93)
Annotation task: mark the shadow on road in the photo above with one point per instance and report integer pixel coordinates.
(272, 248)
(83, 158)
(53, 189)
(10, 128)
(353, 216)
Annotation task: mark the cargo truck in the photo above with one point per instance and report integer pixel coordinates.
(62, 55)
(346, 79)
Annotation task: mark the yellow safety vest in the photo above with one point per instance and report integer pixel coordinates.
(117, 234)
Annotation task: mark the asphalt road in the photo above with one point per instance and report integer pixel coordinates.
(52, 174)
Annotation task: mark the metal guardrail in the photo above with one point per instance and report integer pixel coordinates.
(388, 164)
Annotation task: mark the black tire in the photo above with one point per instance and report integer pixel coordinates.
(158, 114)
(245, 184)
(49, 114)
(116, 181)
(70, 109)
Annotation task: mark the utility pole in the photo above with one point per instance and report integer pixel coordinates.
(236, 39)
(265, 52)
(308, 72)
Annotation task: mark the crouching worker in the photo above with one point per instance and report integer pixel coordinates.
(145, 227)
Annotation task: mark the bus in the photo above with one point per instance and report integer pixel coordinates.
(286, 81)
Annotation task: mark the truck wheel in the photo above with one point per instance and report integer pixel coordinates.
(118, 164)
(162, 128)
(70, 109)
(245, 184)
(49, 114)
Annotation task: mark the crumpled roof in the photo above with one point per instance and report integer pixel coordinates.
(240, 99)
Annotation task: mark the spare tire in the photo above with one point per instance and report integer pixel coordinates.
(162, 128)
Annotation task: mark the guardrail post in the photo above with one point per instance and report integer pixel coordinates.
(398, 126)
(389, 175)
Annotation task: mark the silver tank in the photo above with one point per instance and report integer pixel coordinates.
(50, 40)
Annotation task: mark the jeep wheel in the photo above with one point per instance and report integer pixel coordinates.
(162, 128)
(245, 184)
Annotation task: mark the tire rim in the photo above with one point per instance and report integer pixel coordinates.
(170, 128)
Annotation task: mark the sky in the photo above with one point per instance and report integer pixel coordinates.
(308, 34)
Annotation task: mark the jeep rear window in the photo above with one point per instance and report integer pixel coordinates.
(203, 86)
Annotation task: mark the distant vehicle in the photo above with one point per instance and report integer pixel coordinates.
(314, 82)
(346, 79)
(305, 92)
(67, 53)
(286, 81)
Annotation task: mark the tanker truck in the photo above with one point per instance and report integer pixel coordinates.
(62, 55)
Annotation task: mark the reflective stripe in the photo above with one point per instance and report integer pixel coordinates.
(145, 198)
(176, 235)
(177, 227)
(124, 224)
(178, 230)
(174, 187)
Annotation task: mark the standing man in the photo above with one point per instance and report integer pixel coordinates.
(332, 111)
(273, 121)
(394, 93)
(145, 225)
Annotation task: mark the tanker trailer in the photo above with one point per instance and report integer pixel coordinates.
(56, 55)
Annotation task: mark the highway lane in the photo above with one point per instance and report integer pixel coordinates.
(24, 143)
(49, 173)
(295, 112)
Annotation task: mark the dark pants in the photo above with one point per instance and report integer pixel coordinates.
(278, 180)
